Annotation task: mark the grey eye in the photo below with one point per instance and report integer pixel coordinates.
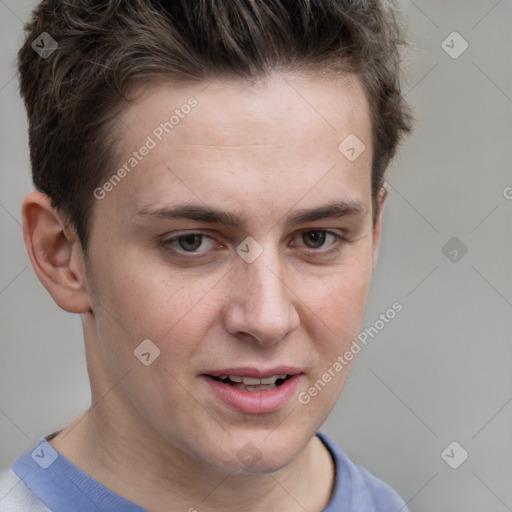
(190, 242)
(314, 239)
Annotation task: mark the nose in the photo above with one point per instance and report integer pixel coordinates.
(261, 303)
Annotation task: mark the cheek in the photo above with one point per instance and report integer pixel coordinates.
(340, 299)
(150, 302)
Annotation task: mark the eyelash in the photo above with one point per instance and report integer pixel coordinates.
(336, 246)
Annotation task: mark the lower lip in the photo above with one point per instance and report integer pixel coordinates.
(255, 402)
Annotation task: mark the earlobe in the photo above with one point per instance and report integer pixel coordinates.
(381, 200)
(55, 253)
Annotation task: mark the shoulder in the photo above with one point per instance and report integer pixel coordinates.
(356, 489)
(382, 494)
(15, 496)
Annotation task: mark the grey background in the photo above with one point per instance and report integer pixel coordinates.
(441, 370)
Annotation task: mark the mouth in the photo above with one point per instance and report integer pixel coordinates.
(253, 391)
(252, 384)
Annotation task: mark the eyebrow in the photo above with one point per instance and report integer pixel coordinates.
(201, 213)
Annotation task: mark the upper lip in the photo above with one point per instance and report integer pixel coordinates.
(257, 373)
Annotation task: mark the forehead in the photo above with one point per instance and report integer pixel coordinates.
(316, 103)
(225, 140)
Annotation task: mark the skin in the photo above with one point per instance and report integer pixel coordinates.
(263, 151)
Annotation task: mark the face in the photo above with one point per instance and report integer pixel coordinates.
(241, 244)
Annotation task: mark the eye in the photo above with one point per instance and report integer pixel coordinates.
(321, 241)
(190, 242)
(314, 239)
(195, 243)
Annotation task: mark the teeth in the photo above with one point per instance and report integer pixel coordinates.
(253, 381)
(272, 380)
(259, 388)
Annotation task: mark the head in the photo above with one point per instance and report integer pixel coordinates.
(243, 109)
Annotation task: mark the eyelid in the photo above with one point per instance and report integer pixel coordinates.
(340, 239)
(166, 240)
(339, 235)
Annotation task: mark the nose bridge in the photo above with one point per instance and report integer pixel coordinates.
(266, 287)
(264, 308)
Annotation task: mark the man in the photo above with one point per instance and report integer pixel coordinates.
(209, 179)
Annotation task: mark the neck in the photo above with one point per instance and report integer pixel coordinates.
(153, 473)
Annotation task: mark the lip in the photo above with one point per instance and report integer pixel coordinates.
(257, 373)
(254, 402)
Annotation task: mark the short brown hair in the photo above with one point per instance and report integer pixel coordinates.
(105, 47)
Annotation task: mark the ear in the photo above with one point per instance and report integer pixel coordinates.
(381, 200)
(55, 253)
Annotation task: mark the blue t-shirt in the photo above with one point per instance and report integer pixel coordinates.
(43, 480)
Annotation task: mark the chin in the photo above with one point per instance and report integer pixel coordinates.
(263, 463)
(257, 454)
